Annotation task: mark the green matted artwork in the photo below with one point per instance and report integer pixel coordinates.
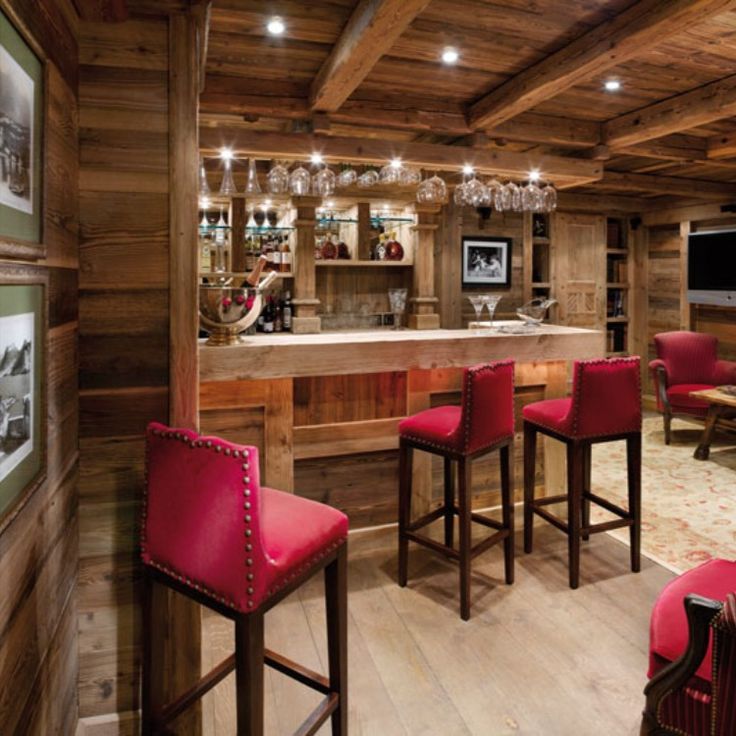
(22, 385)
(21, 141)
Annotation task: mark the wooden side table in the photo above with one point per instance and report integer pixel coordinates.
(721, 412)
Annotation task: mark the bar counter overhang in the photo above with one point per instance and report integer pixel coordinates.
(289, 383)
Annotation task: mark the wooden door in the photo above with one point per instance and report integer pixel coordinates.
(579, 268)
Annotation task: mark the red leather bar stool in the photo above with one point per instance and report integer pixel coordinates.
(212, 533)
(605, 406)
(483, 423)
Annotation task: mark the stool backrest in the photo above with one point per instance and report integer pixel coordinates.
(606, 397)
(487, 404)
(689, 357)
(201, 521)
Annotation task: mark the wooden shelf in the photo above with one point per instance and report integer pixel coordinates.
(617, 251)
(617, 320)
(539, 240)
(618, 354)
(615, 285)
(362, 264)
(541, 285)
(228, 274)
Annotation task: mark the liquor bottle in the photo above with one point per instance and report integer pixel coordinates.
(287, 311)
(205, 257)
(255, 275)
(285, 256)
(250, 254)
(267, 251)
(278, 321)
(276, 256)
(269, 316)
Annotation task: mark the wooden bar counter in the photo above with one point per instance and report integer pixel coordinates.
(324, 408)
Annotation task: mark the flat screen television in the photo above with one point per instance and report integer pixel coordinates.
(711, 268)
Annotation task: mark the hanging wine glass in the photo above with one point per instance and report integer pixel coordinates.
(389, 174)
(512, 197)
(252, 186)
(549, 198)
(476, 193)
(323, 182)
(368, 179)
(300, 181)
(346, 178)
(227, 186)
(277, 180)
(409, 176)
(204, 185)
(432, 191)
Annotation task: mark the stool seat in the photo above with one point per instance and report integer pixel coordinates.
(439, 427)
(554, 414)
(296, 533)
(669, 634)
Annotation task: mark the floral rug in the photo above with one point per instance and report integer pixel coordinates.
(688, 506)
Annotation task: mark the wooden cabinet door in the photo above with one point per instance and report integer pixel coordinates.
(579, 267)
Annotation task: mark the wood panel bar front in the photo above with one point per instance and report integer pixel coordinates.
(346, 432)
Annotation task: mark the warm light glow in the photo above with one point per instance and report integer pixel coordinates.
(612, 85)
(468, 169)
(276, 26)
(534, 175)
(450, 56)
(204, 203)
(268, 203)
(330, 204)
(395, 163)
(226, 154)
(316, 158)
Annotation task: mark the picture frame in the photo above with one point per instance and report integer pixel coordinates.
(486, 262)
(23, 83)
(23, 404)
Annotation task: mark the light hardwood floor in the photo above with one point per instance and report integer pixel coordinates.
(536, 658)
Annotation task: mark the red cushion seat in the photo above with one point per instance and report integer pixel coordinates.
(439, 427)
(680, 398)
(554, 414)
(714, 579)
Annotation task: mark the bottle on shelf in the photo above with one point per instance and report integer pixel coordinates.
(255, 275)
(285, 256)
(250, 254)
(276, 255)
(278, 320)
(287, 311)
(269, 316)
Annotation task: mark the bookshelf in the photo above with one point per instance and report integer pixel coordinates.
(618, 279)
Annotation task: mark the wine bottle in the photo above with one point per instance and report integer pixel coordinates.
(287, 311)
(285, 256)
(255, 275)
(269, 316)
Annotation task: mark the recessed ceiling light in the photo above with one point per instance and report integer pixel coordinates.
(612, 85)
(534, 175)
(276, 26)
(450, 55)
(468, 169)
(226, 154)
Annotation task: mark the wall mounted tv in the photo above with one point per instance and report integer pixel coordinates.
(711, 268)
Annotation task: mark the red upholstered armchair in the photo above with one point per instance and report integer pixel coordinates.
(692, 690)
(686, 361)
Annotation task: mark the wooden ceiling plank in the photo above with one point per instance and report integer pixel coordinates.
(102, 11)
(561, 170)
(672, 185)
(370, 32)
(605, 46)
(699, 106)
(722, 146)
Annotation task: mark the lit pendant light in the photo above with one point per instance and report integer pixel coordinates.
(227, 187)
(252, 186)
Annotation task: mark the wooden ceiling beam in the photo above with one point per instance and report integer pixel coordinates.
(99, 11)
(370, 32)
(564, 172)
(607, 45)
(722, 146)
(681, 148)
(672, 185)
(699, 106)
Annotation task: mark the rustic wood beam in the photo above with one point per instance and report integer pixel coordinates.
(672, 185)
(610, 203)
(369, 34)
(722, 146)
(202, 14)
(563, 171)
(681, 213)
(699, 106)
(605, 46)
(684, 148)
(98, 11)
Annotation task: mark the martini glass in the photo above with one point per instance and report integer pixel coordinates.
(477, 300)
(490, 301)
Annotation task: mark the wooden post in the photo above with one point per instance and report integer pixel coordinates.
(237, 234)
(527, 257)
(305, 299)
(638, 278)
(685, 311)
(423, 300)
(364, 231)
(177, 633)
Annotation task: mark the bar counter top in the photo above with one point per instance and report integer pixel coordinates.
(373, 351)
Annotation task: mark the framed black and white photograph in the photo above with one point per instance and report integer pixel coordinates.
(487, 262)
(22, 402)
(21, 123)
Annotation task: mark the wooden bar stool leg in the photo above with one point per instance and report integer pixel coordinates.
(405, 458)
(336, 599)
(464, 502)
(633, 469)
(449, 502)
(249, 664)
(575, 453)
(587, 461)
(507, 511)
(147, 674)
(530, 462)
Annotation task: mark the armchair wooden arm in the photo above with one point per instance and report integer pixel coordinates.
(659, 377)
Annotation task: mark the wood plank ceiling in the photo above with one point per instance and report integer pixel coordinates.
(529, 80)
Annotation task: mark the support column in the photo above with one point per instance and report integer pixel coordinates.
(305, 300)
(237, 234)
(423, 301)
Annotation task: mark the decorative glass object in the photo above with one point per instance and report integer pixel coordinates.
(323, 182)
(476, 301)
(477, 193)
(368, 179)
(204, 185)
(432, 191)
(252, 186)
(300, 182)
(277, 180)
(227, 186)
(409, 176)
(534, 311)
(397, 300)
(531, 198)
(346, 178)
(459, 196)
(272, 216)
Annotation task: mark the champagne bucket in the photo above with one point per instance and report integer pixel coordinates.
(226, 311)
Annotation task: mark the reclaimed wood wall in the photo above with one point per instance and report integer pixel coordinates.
(38, 549)
(124, 335)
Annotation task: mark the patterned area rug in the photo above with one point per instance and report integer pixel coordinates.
(689, 506)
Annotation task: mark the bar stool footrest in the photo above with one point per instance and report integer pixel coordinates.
(607, 505)
(319, 715)
(426, 519)
(297, 672)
